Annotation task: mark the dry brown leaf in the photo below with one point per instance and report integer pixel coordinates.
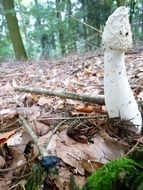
(5, 136)
(26, 138)
(9, 117)
(80, 180)
(51, 146)
(44, 100)
(63, 181)
(72, 152)
(84, 108)
(32, 112)
(18, 160)
(90, 165)
(30, 100)
(100, 74)
(50, 119)
(15, 139)
(90, 108)
(88, 70)
(140, 95)
(3, 184)
(5, 111)
(99, 109)
(8, 86)
(39, 128)
(2, 101)
(2, 162)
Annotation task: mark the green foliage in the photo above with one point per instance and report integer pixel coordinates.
(119, 174)
(6, 51)
(36, 179)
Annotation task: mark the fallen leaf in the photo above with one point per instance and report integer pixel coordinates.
(72, 152)
(90, 165)
(90, 108)
(44, 100)
(18, 159)
(64, 179)
(5, 136)
(3, 184)
(88, 70)
(14, 139)
(2, 162)
(84, 108)
(140, 95)
(39, 128)
(5, 111)
(30, 99)
(8, 86)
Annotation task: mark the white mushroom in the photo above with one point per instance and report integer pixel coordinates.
(119, 99)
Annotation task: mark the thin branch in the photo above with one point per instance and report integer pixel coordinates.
(60, 93)
(140, 140)
(42, 150)
(53, 132)
(31, 133)
(84, 23)
(74, 117)
(98, 99)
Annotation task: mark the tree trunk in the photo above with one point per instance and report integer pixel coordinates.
(61, 29)
(120, 2)
(43, 37)
(12, 23)
(72, 46)
(84, 27)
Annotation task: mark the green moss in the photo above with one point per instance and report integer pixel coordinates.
(116, 175)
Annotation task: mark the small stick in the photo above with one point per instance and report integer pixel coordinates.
(53, 132)
(32, 134)
(42, 150)
(60, 93)
(133, 148)
(99, 99)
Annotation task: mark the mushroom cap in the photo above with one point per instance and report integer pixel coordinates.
(117, 33)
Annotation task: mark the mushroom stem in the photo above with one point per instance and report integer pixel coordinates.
(119, 98)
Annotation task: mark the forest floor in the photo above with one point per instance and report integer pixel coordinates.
(75, 141)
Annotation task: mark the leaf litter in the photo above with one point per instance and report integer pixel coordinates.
(84, 142)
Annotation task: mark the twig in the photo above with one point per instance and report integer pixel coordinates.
(32, 134)
(136, 86)
(85, 23)
(60, 93)
(16, 167)
(53, 132)
(73, 118)
(134, 147)
(99, 99)
(42, 150)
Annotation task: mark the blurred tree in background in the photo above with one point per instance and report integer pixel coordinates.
(12, 23)
(50, 28)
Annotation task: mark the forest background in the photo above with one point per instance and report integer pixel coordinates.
(45, 29)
